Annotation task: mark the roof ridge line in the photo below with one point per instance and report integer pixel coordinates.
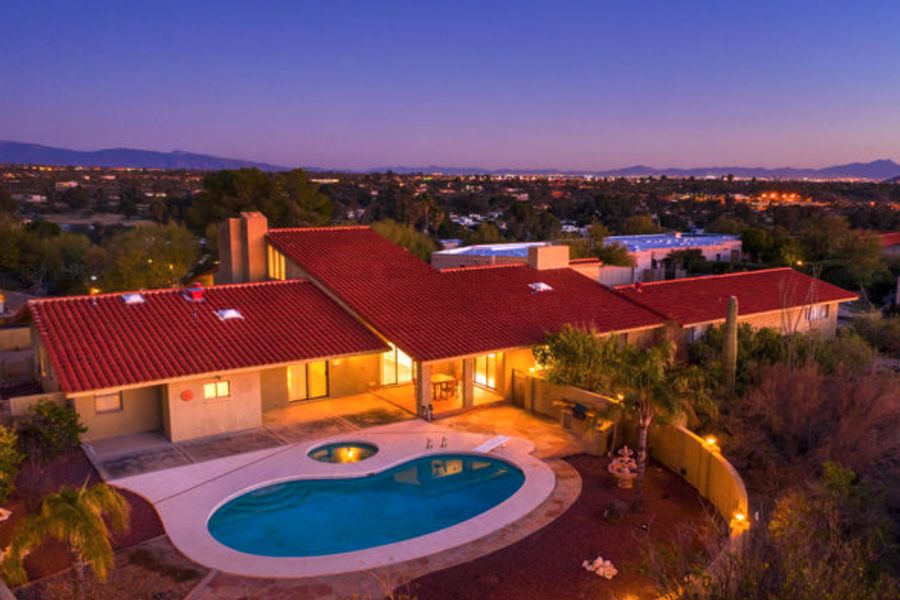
(625, 286)
(321, 228)
(168, 290)
(481, 267)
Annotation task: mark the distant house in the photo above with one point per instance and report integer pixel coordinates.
(338, 312)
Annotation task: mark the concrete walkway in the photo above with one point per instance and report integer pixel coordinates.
(129, 455)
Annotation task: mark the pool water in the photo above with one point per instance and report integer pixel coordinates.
(343, 452)
(318, 517)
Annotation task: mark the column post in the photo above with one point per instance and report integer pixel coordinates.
(423, 390)
(468, 383)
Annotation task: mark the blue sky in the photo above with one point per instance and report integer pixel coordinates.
(490, 83)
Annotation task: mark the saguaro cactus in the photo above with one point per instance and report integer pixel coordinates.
(730, 349)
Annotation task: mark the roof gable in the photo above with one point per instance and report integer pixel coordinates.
(97, 342)
(703, 299)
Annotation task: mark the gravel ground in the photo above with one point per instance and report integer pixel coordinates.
(547, 564)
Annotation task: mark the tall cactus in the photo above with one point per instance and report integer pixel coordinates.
(730, 349)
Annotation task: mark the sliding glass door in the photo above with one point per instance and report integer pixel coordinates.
(486, 373)
(307, 381)
(396, 367)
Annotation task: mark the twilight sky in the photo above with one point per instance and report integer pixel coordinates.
(489, 83)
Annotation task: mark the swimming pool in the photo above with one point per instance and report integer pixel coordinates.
(331, 516)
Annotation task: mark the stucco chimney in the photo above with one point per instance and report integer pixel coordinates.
(242, 249)
(548, 257)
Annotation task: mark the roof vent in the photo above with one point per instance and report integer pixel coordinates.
(229, 313)
(133, 298)
(540, 286)
(194, 293)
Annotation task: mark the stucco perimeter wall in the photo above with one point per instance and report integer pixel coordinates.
(186, 419)
(703, 467)
(141, 411)
(19, 405)
(536, 394)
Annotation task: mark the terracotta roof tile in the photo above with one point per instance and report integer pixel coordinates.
(97, 342)
(434, 314)
(703, 299)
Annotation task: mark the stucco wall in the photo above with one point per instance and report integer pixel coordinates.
(199, 417)
(353, 375)
(273, 385)
(703, 467)
(521, 359)
(141, 411)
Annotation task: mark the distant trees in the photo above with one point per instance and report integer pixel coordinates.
(287, 199)
(148, 257)
(407, 237)
(639, 224)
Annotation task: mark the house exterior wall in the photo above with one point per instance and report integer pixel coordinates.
(790, 320)
(198, 417)
(346, 376)
(141, 411)
(520, 359)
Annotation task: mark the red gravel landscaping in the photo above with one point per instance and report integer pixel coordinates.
(547, 564)
(73, 468)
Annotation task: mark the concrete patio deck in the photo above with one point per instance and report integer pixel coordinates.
(129, 455)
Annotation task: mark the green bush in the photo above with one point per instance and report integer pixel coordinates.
(883, 333)
(10, 458)
(47, 430)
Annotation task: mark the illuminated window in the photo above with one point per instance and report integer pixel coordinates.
(276, 264)
(43, 369)
(486, 370)
(396, 366)
(105, 403)
(216, 389)
(309, 380)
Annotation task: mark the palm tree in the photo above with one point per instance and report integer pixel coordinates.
(648, 384)
(77, 517)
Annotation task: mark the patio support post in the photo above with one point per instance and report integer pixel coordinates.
(423, 389)
(468, 382)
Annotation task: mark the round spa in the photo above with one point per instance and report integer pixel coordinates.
(318, 517)
(343, 452)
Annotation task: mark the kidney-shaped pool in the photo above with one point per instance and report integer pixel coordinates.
(330, 516)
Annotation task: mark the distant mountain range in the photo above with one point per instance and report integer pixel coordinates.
(877, 170)
(35, 154)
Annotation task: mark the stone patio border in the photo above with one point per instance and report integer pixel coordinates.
(185, 497)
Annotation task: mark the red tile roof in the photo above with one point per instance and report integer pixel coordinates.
(97, 342)
(889, 239)
(433, 314)
(703, 299)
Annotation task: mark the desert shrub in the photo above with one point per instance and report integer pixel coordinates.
(10, 458)
(47, 430)
(883, 333)
(798, 417)
(830, 538)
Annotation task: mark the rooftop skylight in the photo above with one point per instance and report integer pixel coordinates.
(133, 298)
(540, 286)
(229, 313)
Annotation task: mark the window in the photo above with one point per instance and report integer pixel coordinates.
(309, 380)
(486, 370)
(276, 264)
(216, 390)
(698, 332)
(105, 403)
(396, 366)
(816, 313)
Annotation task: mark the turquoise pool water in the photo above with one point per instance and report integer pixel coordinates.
(317, 517)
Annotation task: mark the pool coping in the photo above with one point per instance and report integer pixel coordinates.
(185, 497)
